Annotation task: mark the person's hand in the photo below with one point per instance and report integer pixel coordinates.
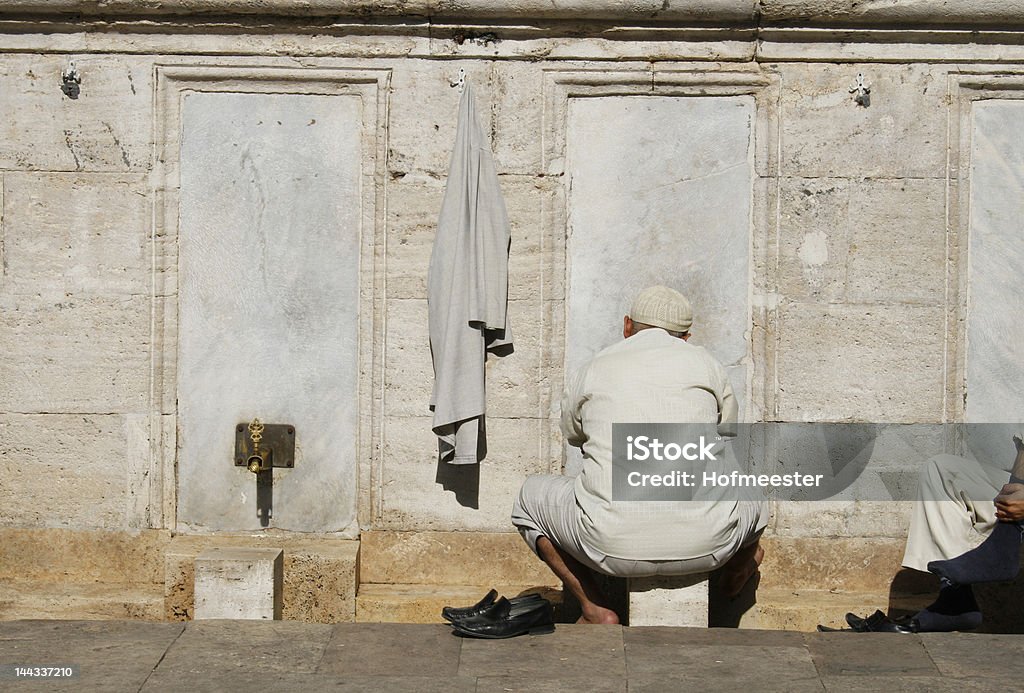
(1018, 442)
(1010, 503)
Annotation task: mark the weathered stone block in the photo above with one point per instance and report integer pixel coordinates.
(838, 563)
(77, 555)
(408, 371)
(514, 382)
(239, 583)
(862, 241)
(74, 354)
(73, 234)
(62, 470)
(814, 238)
(319, 584)
(669, 601)
(518, 92)
(897, 241)
(850, 518)
(320, 580)
(450, 558)
(106, 128)
(414, 204)
(901, 134)
(863, 363)
(411, 498)
(869, 462)
(425, 109)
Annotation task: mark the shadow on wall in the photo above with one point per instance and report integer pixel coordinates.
(461, 479)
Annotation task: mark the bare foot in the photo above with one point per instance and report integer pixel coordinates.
(738, 570)
(595, 614)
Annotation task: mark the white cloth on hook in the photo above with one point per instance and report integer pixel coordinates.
(467, 290)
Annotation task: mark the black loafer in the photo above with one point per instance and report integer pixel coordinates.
(450, 613)
(877, 622)
(518, 605)
(506, 621)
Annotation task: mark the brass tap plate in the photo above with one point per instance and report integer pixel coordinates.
(278, 438)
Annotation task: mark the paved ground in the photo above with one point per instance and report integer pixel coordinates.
(288, 656)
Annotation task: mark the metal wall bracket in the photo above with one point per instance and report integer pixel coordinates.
(278, 440)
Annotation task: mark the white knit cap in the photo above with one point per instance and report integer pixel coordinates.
(662, 307)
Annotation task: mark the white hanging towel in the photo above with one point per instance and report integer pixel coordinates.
(467, 291)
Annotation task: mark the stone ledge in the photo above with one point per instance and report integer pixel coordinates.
(450, 558)
(419, 603)
(66, 555)
(32, 599)
(649, 10)
(744, 12)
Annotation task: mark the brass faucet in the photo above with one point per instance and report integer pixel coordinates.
(259, 460)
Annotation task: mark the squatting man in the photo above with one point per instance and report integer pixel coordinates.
(653, 375)
(959, 534)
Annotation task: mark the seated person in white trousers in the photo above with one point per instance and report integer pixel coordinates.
(957, 533)
(574, 525)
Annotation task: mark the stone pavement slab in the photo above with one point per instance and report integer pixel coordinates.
(282, 682)
(571, 652)
(285, 656)
(111, 656)
(531, 684)
(980, 656)
(909, 684)
(717, 659)
(886, 654)
(399, 649)
(212, 654)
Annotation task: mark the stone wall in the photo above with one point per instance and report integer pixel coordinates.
(848, 227)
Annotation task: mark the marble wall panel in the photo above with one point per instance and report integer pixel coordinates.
(269, 298)
(660, 193)
(995, 329)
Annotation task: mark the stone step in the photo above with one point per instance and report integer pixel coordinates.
(32, 599)
(449, 558)
(418, 603)
(320, 574)
(55, 554)
(846, 565)
(804, 609)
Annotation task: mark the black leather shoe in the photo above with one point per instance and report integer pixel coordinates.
(877, 622)
(518, 604)
(507, 621)
(450, 613)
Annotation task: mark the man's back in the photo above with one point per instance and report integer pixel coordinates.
(651, 377)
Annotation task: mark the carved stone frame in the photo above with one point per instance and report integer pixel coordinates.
(964, 89)
(561, 86)
(171, 83)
